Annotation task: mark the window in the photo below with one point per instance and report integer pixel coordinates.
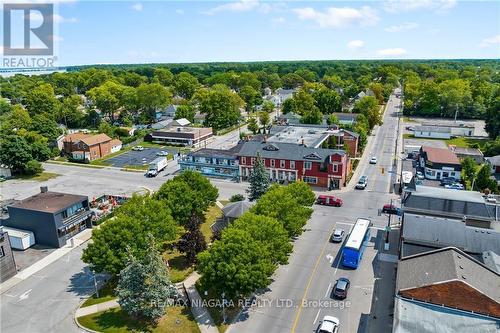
(2, 253)
(282, 163)
(308, 165)
(292, 164)
(272, 163)
(243, 160)
(310, 180)
(252, 161)
(335, 168)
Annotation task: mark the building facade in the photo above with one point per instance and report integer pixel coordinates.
(81, 146)
(213, 162)
(7, 263)
(182, 136)
(439, 163)
(288, 162)
(53, 217)
(433, 132)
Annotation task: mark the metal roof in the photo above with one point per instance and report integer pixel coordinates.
(446, 265)
(434, 129)
(441, 232)
(236, 209)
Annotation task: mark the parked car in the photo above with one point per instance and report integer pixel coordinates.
(362, 183)
(162, 153)
(338, 235)
(455, 186)
(448, 181)
(419, 182)
(329, 200)
(341, 287)
(138, 148)
(389, 209)
(491, 198)
(329, 324)
(373, 160)
(420, 175)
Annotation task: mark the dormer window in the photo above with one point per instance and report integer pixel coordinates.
(271, 147)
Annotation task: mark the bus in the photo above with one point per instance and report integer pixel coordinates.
(356, 243)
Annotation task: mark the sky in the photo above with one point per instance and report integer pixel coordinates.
(96, 32)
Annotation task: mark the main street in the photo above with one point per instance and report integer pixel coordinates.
(314, 265)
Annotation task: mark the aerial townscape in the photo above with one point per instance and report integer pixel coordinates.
(250, 166)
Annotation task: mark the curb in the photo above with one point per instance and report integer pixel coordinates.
(75, 319)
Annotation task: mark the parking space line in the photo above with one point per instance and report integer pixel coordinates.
(328, 289)
(317, 315)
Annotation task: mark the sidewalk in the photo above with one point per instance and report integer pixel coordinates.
(71, 244)
(200, 313)
(80, 312)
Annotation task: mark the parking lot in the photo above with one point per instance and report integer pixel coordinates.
(138, 158)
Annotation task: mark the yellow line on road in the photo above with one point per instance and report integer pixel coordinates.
(299, 310)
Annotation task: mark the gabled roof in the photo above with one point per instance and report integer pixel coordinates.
(115, 142)
(236, 209)
(76, 137)
(95, 139)
(440, 155)
(286, 151)
(445, 265)
(493, 160)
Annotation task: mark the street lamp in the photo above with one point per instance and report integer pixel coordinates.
(223, 309)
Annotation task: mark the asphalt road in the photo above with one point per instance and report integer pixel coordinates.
(46, 301)
(300, 294)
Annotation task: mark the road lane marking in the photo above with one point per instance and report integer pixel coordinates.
(25, 295)
(317, 315)
(299, 310)
(330, 258)
(328, 289)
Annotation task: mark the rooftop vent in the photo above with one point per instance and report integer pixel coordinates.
(44, 189)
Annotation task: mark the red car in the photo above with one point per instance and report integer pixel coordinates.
(389, 209)
(329, 200)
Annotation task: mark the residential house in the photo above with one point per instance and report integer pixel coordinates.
(181, 136)
(439, 163)
(53, 217)
(288, 162)
(171, 110)
(116, 145)
(446, 290)
(82, 146)
(464, 152)
(7, 263)
(432, 132)
(288, 119)
(494, 162)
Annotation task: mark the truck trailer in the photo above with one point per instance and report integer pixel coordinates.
(156, 166)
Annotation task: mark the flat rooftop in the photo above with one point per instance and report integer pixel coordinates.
(49, 202)
(310, 136)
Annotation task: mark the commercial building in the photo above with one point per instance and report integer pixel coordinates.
(53, 217)
(288, 162)
(432, 132)
(456, 129)
(439, 163)
(181, 136)
(7, 263)
(213, 162)
(464, 152)
(446, 290)
(88, 147)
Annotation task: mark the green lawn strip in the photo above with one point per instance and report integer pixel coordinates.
(216, 311)
(178, 267)
(408, 120)
(83, 165)
(136, 167)
(468, 142)
(106, 293)
(224, 202)
(211, 216)
(176, 319)
(44, 176)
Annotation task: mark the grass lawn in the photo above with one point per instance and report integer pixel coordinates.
(224, 202)
(179, 268)
(211, 216)
(409, 136)
(468, 142)
(408, 120)
(216, 312)
(106, 293)
(83, 165)
(44, 176)
(176, 319)
(137, 167)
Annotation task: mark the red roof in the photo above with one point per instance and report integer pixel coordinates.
(440, 155)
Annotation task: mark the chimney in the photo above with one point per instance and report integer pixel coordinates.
(44, 189)
(302, 142)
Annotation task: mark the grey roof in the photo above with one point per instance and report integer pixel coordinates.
(224, 153)
(287, 151)
(447, 124)
(467, 151)
(445, 265)
(236, 209)
(440, 232)
(346, 116)
(49, 202)
(435, 129)
(413, 316)
(491, 260)
(493, 160)
(448, 202)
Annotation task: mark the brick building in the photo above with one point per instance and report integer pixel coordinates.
(286, 162)
(81, 146)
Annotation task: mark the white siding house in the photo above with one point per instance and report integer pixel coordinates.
(433, 132)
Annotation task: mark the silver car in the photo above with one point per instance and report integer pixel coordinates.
(338, 235)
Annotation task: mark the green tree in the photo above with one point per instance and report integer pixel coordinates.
(378, 90)
(70, 112)
(15, 152)
(304, 102)
(280, 203)
(108, 98)
(484, 180)
(252, 125)
(237, 197)
(144, 288)
(269, 233)
(193, 241)
(41, 100)
(327, 101)
(128, 232)
(163, 76)
(259, 180)
(332, 120)
(251, 97)
(292, 80)
(267, 106)
(469, 170)
(265, 120)
(152, 97)
(493, 117)
(220, 105)
(46, 127)
(185, 85)
(185, 111)
(368, 106)
(289, 106)
(33, 168)
(307, 74)
(312, 117)
(106, 128)
(302, 192)
(236, 264)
